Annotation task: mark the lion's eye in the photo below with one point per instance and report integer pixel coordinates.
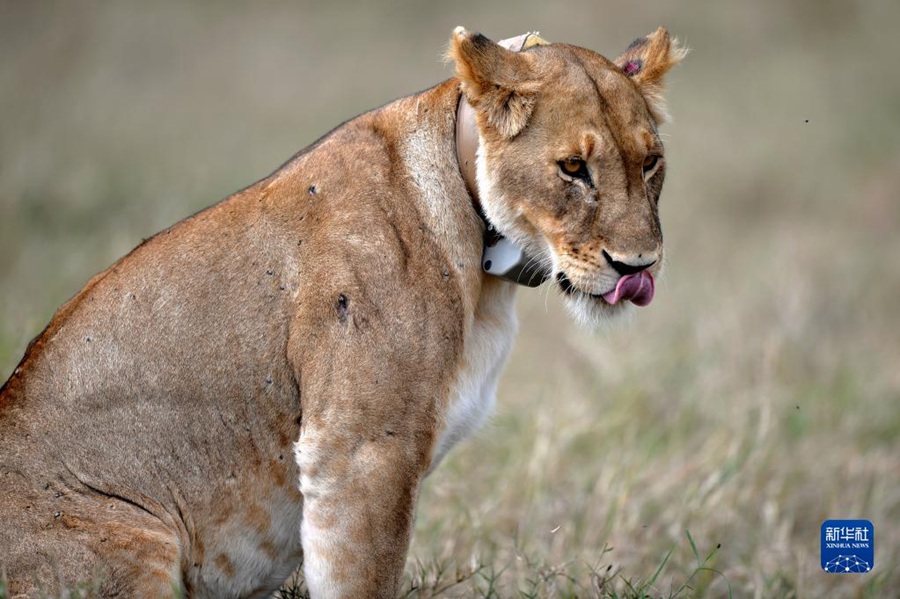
(650, 163)
(574, 167)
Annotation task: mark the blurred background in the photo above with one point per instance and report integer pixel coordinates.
(756, 397)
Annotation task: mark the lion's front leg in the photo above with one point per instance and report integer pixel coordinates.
(375, 367)
(359, 495)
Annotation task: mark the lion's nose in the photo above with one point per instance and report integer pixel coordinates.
(624, 268)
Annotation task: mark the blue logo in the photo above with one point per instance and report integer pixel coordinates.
(848, 546)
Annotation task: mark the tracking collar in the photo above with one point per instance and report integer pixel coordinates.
(502, 257)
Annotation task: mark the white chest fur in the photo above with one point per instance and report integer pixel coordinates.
(486, 348)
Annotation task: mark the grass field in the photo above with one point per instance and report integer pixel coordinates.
(690, 452)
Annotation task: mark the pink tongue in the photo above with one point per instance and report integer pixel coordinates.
(637, 287)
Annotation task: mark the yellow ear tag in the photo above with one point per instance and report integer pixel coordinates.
(534, 39)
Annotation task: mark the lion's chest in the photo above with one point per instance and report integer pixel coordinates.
(487, 345)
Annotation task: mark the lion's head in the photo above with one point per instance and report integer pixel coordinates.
(570, 163)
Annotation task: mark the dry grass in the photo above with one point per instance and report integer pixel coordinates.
(758, 396)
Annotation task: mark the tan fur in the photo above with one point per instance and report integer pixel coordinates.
(284, 367)
(656, 54)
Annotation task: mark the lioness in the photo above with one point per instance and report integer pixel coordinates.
(272, 378)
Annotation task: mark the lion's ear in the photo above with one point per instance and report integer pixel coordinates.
(497, 82)
(646, 61)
